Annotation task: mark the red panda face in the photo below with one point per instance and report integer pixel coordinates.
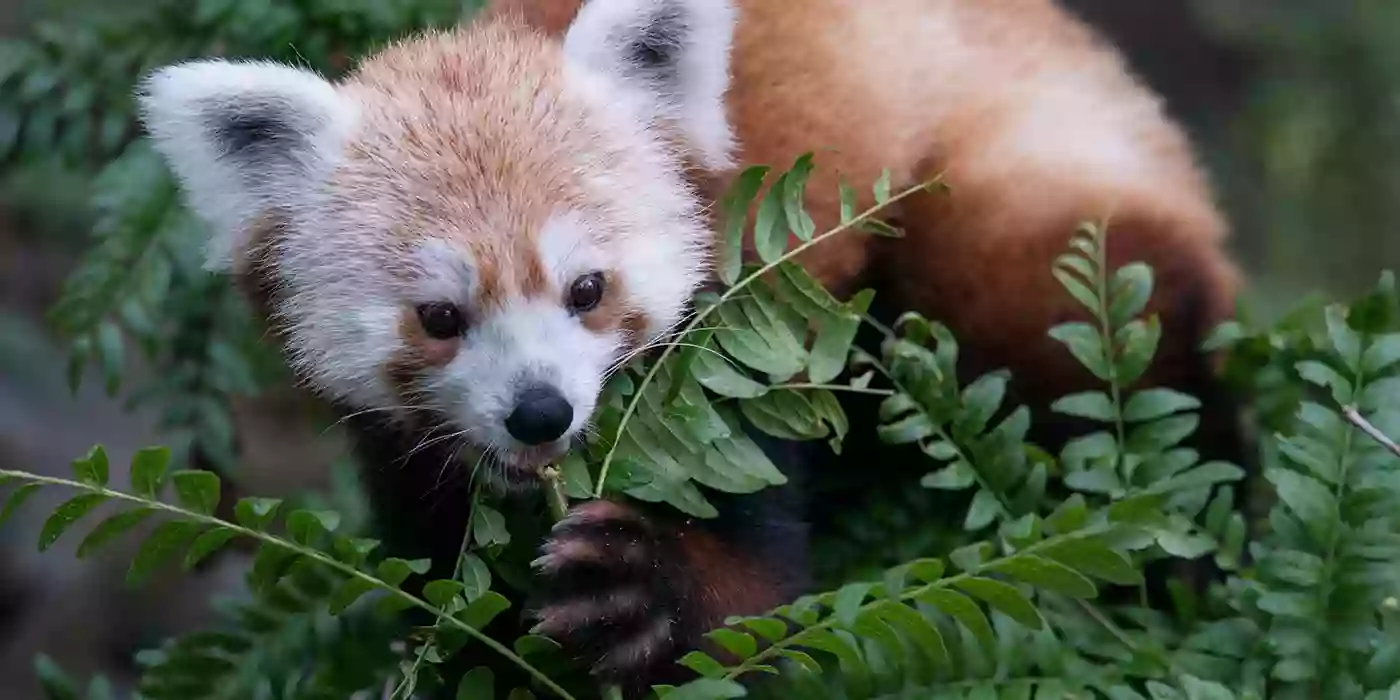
(476, 227)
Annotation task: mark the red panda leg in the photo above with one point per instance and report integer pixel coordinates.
(629, 591)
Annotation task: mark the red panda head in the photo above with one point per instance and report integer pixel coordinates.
(476, 226)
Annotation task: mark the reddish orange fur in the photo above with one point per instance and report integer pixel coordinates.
(857, 83)
(726, 582)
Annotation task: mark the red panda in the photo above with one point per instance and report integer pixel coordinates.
(462, 238)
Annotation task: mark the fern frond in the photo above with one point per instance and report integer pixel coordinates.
(290, 573)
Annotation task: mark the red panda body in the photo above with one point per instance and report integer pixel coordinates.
(463, 238)
(1034, 122)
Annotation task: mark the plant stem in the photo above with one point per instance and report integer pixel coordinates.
(1101, 277)
(1354, 417)
(832, 387)
(554, 492)
(911, 594)
(309, 553)
(726, 296)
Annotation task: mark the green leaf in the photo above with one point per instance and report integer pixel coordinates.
(770, 234)
(1005, 598)
(256, 513)
(882, 187)
(476, 578)
(164, 542)
(736, 204)
(17, 499)
(849, 201)
(1076, 287)
(577, 480)
(1151, 404)
(1095, 559)
(395, 571)
(1094, 405)
(768, 628)
(981, 399)
(807, 663)
(477, 684)
(708, 689)
(206, 544)
(718, 374)
(1069, 516)
(1138, 340)
(148, 471)
(1307, 498)
(488, 526)
(1048, 574)
(535, 645)
(111, 527)
(1324, 376)
(1140, 509)
(1203, 476)
(849, 598)
(348, 592)
(923, 633)
(784, 414)
(1345, 341)
(93, 468)
(833, 342)
(703, 664)
(1224, 336)
(442, 591)
(794, 205)
(1085, 343)
(735, 642)
(1183, 545)
(65, 516)
(110, 355)
(197, 491)
(984, 510)
(955, 477)
(1102, 480)
(1130, 289)
(965, 611)
(1381, 355)
(1161, 434)
(306, 525)
(483, 610)
(910, 429)
(55, 683)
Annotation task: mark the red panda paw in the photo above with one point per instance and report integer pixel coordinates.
(608, 592)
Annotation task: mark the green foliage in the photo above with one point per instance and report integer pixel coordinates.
(1012, 594)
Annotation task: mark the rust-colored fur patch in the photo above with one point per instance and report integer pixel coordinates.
(722, 580)
(418, 353)
(614, 312)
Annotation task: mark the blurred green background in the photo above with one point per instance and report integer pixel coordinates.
(1294, 105)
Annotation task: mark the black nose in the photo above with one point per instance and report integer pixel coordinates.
(541, 415)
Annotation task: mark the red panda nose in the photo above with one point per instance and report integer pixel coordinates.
(541, 415)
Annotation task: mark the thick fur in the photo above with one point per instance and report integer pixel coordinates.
(490, 166)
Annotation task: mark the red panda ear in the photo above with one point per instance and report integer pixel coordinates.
(674, 53)
(244, 139)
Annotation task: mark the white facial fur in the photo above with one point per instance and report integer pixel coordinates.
(373, 223)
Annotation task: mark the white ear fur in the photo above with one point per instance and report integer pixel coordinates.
(676, 52)
(243, 138)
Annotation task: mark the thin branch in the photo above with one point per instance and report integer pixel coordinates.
(1355, 418)
(729, 294)
(310, 553)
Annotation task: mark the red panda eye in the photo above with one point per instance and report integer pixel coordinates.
(586, 292)
(442, 320)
